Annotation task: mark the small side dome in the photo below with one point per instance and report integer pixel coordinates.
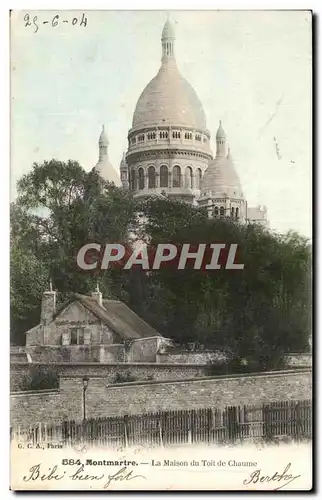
(103, 140)
(221, 179)
(220, 132)
(168, 30)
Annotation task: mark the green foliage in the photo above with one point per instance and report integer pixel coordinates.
(121, 379)
(242, 365)
(60, 207)
(257, 314)
(40, 379)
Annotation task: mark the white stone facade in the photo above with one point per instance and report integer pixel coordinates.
(169, 149)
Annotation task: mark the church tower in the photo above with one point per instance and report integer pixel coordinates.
(221, 190)
(104, 167)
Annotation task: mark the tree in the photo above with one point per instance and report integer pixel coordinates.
(59, 208)
(255, 315)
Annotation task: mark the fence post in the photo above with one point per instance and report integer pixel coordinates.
(232, 422)
(209, 424)
(266, 419)
(160, 432)
(189, 427)
(298, 428)
(126, 437)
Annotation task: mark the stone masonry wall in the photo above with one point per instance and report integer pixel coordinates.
(201, 357)
(30, 408)
(138, 371)
(208, 392)
(103, 399)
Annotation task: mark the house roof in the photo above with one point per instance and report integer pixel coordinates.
(116, 315)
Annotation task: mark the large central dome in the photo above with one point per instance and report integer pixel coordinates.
(169, 99)
(168, 144)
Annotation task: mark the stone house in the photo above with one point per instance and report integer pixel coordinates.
(91, 329)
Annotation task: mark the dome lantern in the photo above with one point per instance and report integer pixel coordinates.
(169, 99)
(103, 143)
(167, 41)
(221, 141)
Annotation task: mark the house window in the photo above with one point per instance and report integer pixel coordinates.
(232, 212)
(237, 213)
(163, 135)
(222, 211)
(77, 336)
(216, 211)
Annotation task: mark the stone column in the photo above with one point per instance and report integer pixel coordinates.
(193, 180)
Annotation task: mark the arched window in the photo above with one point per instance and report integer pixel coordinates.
(237, 213)
(198, 178)
(141, 178)
(133, 180)
(232, 212)
(151, 177)
(176, 176)
(216, 211)
(222, 211)
(164, 176)
(188, 177)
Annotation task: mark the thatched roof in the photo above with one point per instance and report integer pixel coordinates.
(116, 315)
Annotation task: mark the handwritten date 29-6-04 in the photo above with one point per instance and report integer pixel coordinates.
(34, 22)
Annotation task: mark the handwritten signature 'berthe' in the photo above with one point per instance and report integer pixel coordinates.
(283, 478)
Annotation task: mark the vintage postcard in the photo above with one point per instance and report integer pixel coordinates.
(161, 171)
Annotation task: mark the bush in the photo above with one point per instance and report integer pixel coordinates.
(120, 379)
(40, 379)
(242, 365)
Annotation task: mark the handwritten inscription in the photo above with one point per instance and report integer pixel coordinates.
(36, 472)
(282, 479)
(34, 22)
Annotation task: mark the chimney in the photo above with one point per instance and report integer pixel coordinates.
(97, 295)
(48, 305)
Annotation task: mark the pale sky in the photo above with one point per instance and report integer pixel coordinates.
(245, 67)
